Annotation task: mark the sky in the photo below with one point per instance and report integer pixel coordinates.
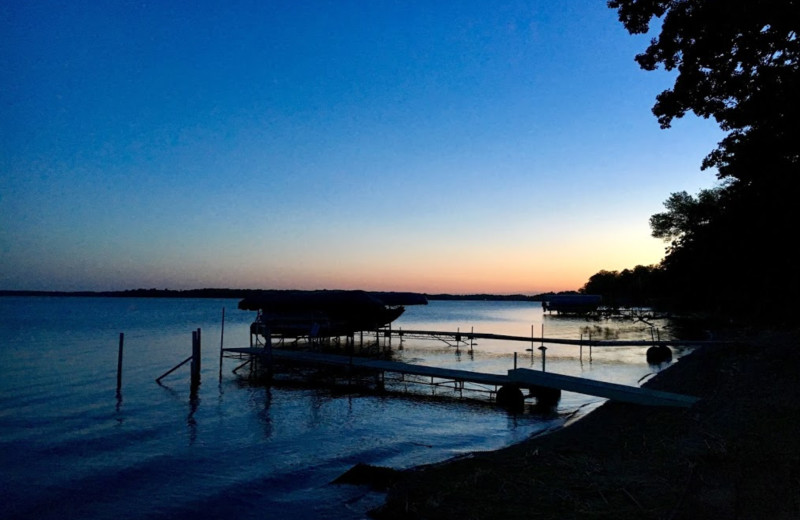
(454, 146)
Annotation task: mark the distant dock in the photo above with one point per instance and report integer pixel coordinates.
(586, 342)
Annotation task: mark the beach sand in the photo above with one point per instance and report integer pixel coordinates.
(735, 454)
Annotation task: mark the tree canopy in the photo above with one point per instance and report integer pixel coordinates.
(737, 61)
(686, 215)
(635, 287)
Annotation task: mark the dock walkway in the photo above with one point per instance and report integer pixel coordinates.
(531, 380)
(613, 391)
(465, 336)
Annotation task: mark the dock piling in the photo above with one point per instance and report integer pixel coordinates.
(544, 352)
(221, 343)
(542, 338)
(119, 363)
(531, 349)
(195, 367)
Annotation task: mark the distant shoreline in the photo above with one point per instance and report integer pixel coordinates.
(241, 293)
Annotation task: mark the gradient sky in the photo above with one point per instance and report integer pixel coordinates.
(457, 147)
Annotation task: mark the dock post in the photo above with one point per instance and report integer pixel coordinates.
(531, 344)
(544, 356)
(471, 338)
(581, 348)
(268, 346)
(515, 360)
(221, 343)
(195, 366)
(119, 363)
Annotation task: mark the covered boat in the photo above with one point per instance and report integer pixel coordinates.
(325, 313)
(572, 303)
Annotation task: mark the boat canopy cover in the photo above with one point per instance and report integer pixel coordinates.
(291, 300)
(401, 298)
(572, 303)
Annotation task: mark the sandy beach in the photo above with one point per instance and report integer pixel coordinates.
(735, 454)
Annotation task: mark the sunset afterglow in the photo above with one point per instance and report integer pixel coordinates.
(452, 147)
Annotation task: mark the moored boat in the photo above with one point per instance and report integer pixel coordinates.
(325, 313)
(572, 303)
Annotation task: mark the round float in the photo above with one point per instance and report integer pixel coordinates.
(510, 397)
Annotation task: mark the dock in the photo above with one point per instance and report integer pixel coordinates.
(586, 342)
(507, 388)
(376, 365)
(612, 391)
(305, 329)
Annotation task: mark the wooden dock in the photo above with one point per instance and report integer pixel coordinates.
(587, 342)
(613, 391)
(378, 365)
(538, 383)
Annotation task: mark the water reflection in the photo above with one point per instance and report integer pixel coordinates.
(264, 413)
(191, 422)
(295, 438)
(595, 332)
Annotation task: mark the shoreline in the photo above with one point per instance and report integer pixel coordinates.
(736, 453)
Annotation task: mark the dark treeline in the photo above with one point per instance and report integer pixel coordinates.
(641, 286)
(730, 248)
(140, 293)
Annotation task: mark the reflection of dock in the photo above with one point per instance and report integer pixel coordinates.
(508, 388)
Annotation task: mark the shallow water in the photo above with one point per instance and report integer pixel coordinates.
(71, 448)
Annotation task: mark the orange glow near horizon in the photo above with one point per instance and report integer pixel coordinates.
(563, 264)
(476, 274)
(342, 163)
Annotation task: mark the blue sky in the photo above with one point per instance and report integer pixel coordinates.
(438, 147)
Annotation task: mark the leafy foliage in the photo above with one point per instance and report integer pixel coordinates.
(738, 61)
(686, 215)
(635, 287)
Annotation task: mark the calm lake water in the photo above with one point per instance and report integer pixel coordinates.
(70, 448)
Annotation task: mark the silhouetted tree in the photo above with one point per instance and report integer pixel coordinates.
(738, 61)
(686, 215)
(629, 288)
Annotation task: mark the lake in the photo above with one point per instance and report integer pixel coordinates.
(71, 448)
